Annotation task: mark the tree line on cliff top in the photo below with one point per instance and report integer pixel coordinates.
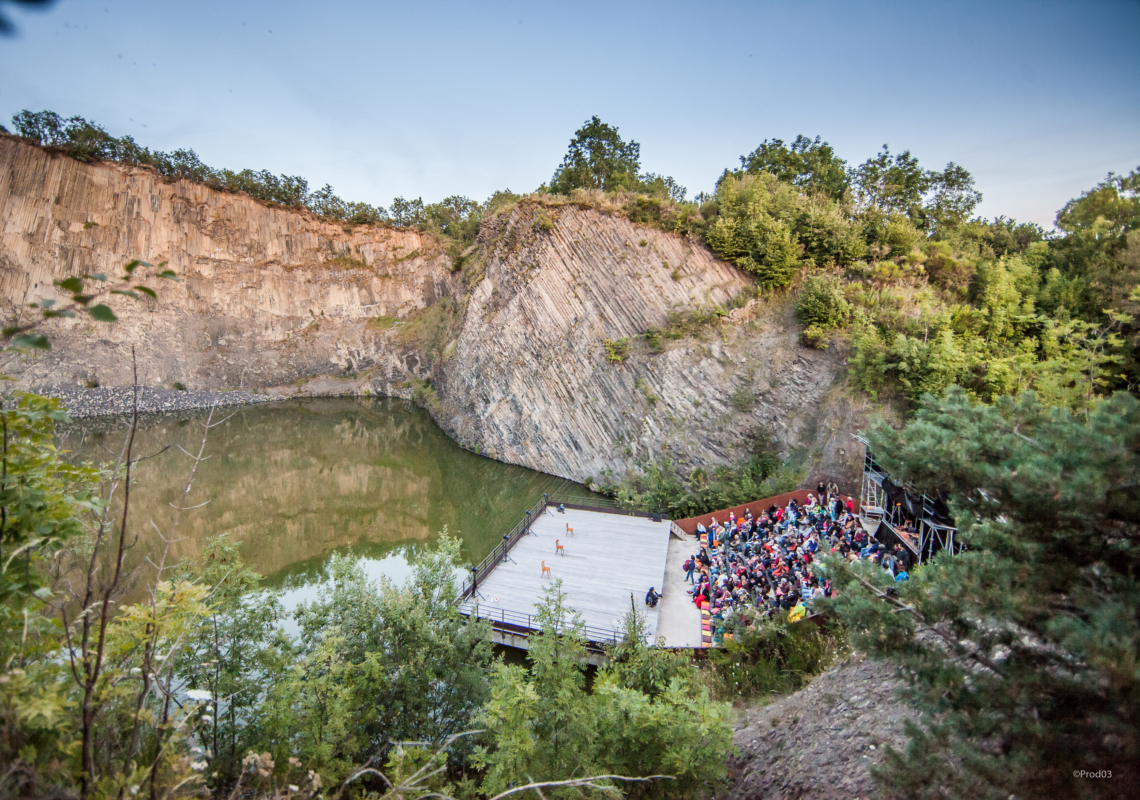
(885, 257)
(1021, 651)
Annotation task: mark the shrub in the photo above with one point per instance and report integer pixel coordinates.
(774, 261)
(616, 349)
(647, 391)
(655, 342)
(742, 399)
(815, 336)
(691, 322)
(769, 656)
(821, 303)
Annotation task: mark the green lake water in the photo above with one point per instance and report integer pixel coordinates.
(297, 481)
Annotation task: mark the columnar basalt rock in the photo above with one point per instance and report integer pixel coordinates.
(514, 364)
(531, 382)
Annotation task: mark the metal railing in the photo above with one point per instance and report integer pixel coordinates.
(929, 536)
(606, 505)
(519, 619)
(502, 549)
(496, 556)
(529, 622)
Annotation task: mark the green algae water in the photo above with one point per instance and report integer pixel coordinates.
(297, 481)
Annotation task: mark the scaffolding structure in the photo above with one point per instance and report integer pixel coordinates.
(911, 518)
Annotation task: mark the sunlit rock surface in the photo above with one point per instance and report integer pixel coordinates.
(508, 354)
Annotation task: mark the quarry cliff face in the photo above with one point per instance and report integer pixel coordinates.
(264, 297)
(509, 354)
(531, 380)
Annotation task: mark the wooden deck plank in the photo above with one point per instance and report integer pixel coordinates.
(609, 557)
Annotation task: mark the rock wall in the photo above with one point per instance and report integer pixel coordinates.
(508, 354)
(265, 296)
(531, 382)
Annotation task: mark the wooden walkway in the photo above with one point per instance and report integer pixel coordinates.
(608, 558)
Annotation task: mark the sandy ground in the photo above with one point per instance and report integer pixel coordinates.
(679, 620)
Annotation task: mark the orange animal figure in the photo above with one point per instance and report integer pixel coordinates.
(545, 569)
(559, 549)
(569, 530)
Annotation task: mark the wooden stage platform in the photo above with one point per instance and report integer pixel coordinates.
(608, 558)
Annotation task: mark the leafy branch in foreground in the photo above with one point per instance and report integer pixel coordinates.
(84, 290)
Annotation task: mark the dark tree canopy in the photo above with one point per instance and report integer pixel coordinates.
(807, 163)
(6, 27)
(598, 158)
(1022, 650)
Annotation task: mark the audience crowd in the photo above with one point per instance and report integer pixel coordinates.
(766, 563)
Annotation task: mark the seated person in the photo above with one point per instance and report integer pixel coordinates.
(651, 597)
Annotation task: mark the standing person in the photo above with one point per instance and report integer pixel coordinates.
(691, 566)
(820, 491)
(832, 489)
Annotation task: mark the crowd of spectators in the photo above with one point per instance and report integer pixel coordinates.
(767, 563)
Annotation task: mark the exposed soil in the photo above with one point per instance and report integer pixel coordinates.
(821, 742)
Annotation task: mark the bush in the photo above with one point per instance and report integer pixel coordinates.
(815, 336)
(742, 399)
(770, 656)
(821, 303)
(654, 341)
(617, 350)
(660, 488)
(769, 229)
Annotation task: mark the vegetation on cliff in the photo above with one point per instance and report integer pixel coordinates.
(923, 293)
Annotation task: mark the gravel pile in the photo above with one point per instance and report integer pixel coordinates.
(84, 403)
(820, 742)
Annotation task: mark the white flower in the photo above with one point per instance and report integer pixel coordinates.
(198, 766)
(293, 788)
(199, 694)
(134, 790)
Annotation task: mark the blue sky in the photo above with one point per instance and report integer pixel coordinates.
(1039, 100)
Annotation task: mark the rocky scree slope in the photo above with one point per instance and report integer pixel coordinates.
(822, 741)
(508, 354)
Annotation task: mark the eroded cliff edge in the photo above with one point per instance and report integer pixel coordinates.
(507, 353)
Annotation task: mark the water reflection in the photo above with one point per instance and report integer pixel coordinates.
(294, 482)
